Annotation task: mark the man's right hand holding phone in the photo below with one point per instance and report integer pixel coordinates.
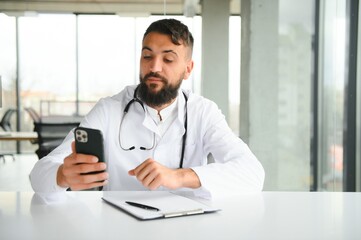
(77, 172)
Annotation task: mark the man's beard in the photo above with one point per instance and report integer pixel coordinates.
(165, 95)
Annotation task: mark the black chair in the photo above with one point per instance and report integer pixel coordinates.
(5, 124)
(51, 135)
(33, 114)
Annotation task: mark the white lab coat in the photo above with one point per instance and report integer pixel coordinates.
(235, 169)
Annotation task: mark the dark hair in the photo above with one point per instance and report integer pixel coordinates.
(178, 31)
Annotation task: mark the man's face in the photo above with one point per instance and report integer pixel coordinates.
(163, 65)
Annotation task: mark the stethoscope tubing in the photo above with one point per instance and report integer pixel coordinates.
(136, 99)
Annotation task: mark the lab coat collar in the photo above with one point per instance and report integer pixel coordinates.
(182, 107)
(151, 125)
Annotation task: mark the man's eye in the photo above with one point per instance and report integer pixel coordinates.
(146, 57)
(168, 60)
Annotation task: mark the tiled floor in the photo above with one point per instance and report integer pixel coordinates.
(14, 174)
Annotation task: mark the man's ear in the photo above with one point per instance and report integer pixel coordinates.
(189, 69)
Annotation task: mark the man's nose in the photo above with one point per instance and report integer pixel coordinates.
(156, 65)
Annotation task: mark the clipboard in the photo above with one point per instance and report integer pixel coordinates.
(169, 204)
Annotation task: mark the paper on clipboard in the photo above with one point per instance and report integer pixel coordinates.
(169, 204)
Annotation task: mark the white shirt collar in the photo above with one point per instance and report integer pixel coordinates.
(166, 113)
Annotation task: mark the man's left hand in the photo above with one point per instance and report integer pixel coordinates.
(153, 175)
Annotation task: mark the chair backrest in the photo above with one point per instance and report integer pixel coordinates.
(53, 131)
(33, 114)
(5, 122)
(50, 135)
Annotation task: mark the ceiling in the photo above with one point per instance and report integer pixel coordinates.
(126, 7)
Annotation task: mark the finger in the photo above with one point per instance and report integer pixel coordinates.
(92, 178)
(141, 166)
(73, 147)
(84, 158)
(86, 179)
(76, 159)
(78, 187)
(149, 179)
(145, 172)
(69, 160)
(75, 170)
(156, 183)
(88, 168)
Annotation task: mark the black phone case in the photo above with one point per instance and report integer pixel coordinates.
(89, 141)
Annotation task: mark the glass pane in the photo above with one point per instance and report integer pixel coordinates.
(277, 73)
(332, 99)
(295, 66)
(47, 62)
(106, 55)
(8, 74)
(234, 71)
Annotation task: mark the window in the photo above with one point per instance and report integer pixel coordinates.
(68, 62)
(47, 61)
(276, 86)
(8, 72)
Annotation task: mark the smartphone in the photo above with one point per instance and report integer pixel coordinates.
(89, 141)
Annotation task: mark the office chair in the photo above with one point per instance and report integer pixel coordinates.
(51, 135)
(33, 114)
(5, 124)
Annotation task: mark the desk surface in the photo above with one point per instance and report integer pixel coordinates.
(18, 136)
(267, 215)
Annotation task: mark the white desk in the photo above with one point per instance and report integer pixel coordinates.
(268, 215)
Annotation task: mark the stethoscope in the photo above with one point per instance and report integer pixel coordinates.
(126, 109)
